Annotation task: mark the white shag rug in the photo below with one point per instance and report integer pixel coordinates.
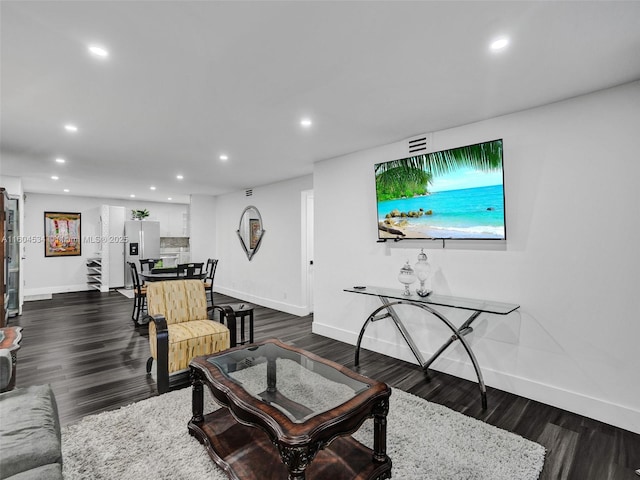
(426, 441)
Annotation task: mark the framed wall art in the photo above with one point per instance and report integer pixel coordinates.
(255, 230)
(62, 234)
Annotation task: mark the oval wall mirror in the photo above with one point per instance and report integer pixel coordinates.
(250, 231)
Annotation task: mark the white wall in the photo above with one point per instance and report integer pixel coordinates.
(571, 260)
(202, 227)
(273, 276)
(47, 275)
(13, 185)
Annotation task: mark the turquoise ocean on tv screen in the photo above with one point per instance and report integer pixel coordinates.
(467, 213)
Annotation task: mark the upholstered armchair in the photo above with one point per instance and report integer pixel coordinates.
(180, 328)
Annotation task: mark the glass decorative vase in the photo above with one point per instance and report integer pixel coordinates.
(422, 270)
(407, 277)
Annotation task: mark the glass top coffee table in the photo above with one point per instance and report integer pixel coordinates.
(289, 414)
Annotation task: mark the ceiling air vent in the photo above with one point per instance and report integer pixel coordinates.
(418, 145)
(248, 192)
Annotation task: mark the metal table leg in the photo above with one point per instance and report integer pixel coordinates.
(458, 334)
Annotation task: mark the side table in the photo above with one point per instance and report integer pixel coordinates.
(242, 311)
(10, 338)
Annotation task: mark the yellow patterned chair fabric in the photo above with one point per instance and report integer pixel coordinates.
(180, 328)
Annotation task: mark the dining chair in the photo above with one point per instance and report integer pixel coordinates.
(147, 264)
(190, 270)
(140, 294)
(212, 264)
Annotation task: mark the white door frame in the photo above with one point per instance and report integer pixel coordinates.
(307, 248)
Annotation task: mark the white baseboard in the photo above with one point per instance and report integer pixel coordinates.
(596, 408)
(42, 296)
(36, 293)
(265, 302)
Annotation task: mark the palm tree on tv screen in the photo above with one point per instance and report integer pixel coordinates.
(410, 176)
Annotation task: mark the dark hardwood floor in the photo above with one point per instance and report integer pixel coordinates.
(85, 345)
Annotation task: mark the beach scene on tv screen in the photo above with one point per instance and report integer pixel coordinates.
(456, 194)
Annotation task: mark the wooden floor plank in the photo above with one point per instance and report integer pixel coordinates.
(560, 443)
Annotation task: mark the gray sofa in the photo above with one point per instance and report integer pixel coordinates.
(30, 446)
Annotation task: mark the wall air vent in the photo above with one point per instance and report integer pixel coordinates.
(248, 192)
(418, 144)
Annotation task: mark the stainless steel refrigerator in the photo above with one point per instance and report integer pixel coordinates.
(143, 241)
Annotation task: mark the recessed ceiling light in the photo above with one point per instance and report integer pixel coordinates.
(224, 157)
(179, 177)
(60, 160)
(66, 190)
(54, 177)
(152, 187)
(499, 43)
(70, 128)
(98, 51)
(306, 122)
(169, 198)
(132, 195)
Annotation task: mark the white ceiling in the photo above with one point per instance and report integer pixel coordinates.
(186, 81)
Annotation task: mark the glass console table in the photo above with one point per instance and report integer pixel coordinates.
(390, 297)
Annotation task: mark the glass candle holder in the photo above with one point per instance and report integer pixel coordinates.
(407, 277)
(422, 270)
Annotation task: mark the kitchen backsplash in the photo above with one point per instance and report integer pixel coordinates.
(174, 242)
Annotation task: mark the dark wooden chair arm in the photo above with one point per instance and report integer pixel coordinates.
(229, 316)
(159, 320)
(162, 350)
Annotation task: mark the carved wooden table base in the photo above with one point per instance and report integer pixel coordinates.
(320, 447)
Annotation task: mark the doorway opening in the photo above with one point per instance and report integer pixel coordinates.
(307, 248)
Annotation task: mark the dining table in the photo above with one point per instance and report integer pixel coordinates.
(159, 275)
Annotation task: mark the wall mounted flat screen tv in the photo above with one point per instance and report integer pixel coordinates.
(451, 194)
